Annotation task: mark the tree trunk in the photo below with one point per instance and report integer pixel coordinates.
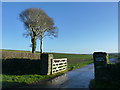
(33, 40)
(41, 45)
(33, 45)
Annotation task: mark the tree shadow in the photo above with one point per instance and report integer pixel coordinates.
(20, 66)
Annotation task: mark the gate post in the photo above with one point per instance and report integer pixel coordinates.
(45, 67)
(100, 64)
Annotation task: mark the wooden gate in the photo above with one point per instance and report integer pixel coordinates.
(59, 65)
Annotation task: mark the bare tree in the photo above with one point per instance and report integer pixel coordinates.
(38, 25)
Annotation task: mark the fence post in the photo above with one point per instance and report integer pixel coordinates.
(45, 67)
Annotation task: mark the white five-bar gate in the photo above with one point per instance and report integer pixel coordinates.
(58, 65)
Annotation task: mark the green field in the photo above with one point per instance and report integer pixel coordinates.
(74, 61)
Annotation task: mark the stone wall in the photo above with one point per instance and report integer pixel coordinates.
(20, 55)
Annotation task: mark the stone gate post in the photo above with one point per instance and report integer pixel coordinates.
(46, 64)
(100, 64)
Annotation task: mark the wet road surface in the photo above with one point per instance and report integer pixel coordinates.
(79, 78)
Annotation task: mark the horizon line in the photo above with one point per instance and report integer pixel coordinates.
(57, 52)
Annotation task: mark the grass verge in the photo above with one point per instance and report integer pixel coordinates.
(73, 66)
(9, 81)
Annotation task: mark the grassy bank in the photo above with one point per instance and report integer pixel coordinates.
(10, 80)
(73, 66)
